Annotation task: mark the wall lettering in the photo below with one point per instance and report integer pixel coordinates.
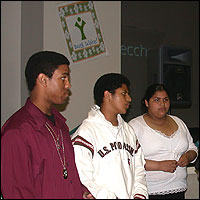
(130, 50)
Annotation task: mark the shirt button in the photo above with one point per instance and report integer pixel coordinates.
(71, 181)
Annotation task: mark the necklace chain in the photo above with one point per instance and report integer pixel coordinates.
(63, 162)
(50, 129)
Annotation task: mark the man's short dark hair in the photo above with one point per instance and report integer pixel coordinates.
(109, 82)
(43, 62)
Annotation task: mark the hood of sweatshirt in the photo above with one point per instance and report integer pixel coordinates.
(97, 117)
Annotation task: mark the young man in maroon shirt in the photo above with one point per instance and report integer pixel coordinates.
(37, 157)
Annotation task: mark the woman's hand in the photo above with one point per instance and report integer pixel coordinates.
(164, 165)
(186, 158)
(168, 165)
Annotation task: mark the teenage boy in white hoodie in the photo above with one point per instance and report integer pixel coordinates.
(108, 156)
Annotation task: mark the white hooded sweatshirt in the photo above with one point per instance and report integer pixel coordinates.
(109, 159)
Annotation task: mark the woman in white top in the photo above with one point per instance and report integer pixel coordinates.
(167, 145)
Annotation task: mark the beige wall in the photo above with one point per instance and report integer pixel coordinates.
(83, 75)
(10, 58)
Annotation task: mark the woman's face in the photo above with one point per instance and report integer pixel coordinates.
(158, 104)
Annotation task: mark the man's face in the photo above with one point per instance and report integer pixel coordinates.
(59, 84)
(120, 101)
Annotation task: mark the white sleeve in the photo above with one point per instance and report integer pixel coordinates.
(84, 161)
(140, 186)
(135, 125)
(184, 127)
(192, 146)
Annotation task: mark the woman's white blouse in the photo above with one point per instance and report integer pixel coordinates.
(157, 146)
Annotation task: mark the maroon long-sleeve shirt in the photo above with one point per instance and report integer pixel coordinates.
(30, 165)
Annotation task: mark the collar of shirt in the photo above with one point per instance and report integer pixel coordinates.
(40, 118)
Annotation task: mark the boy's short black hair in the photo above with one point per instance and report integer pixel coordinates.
(109, 82)
(43, 62)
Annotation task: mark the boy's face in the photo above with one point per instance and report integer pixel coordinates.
(120, 100)
(59, 85)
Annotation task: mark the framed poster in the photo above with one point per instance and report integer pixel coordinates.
(81, 30)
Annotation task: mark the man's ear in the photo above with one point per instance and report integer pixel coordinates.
(42, 79)
(146, 103)
(107, 94)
